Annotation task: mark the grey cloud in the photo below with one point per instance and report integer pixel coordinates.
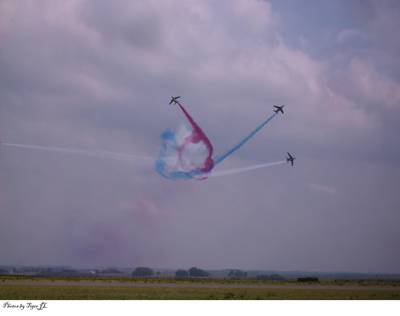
(137, 25)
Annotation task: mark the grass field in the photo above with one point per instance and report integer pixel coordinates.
(48, 289)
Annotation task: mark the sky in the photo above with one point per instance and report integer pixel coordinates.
(98, 75)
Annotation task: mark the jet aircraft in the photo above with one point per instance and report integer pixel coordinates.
(290, 159)
(174, 100)
(278, 108)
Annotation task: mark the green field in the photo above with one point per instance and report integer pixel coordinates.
(38, 292)
(81, 289)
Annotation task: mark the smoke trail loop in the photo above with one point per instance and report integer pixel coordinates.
(186, 153)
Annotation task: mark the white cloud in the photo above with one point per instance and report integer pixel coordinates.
(229, 53)
(373, 87)
(348, 35)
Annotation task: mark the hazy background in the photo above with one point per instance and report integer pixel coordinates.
(98, 75)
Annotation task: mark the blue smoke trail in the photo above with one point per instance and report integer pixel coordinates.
(168, 149)
(169, 164)
(245, 140)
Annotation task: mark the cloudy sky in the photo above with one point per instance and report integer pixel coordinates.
(98, 75)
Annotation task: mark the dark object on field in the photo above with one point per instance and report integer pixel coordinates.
(308, 279)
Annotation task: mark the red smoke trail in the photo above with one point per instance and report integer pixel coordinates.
(199, 136)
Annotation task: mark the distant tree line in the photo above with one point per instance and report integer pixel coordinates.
(271, 277)
(109, 271)
(237, 274)
(193, 272)
(142, 272)
(180, 273)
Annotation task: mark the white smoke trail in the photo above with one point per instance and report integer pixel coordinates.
(82, 152)
(244, 169)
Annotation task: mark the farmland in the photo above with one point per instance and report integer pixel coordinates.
(199, 289)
